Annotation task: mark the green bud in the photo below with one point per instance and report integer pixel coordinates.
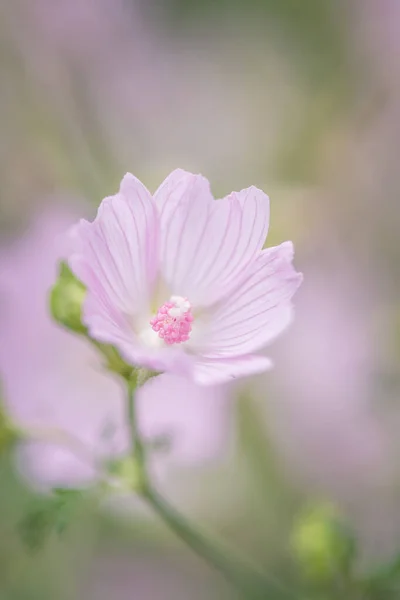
(66, 300)
(322, 544)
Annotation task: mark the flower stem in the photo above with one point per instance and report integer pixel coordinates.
(137, 446)
(237, 571)
(253, 584)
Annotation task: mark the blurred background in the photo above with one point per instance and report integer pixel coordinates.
(301, 99)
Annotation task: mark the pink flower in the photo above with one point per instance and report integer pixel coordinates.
(179, 282)
(53, 380)
(326, 407)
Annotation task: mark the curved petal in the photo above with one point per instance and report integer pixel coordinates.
(254, 224)
(184, 201)
(206, 244)
(259, 308)
(212, 372)
(180, 188)
(116, 256)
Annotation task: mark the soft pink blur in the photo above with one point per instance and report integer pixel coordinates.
(326, 372)
(327, 417)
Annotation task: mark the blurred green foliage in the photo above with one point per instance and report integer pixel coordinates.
(322, 545)
(47, 515)
(45, 575)
(313, 37)
(8, 434)
(312, 28)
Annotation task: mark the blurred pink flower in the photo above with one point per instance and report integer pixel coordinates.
(180, 283)
(326, 404)
(52, 379)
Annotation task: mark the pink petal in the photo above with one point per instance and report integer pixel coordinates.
(184, 202)
(207, 243)
(254, 223)
(236, 232)
(212, 372)
(180, 189)
(259, 308)
(116, 256)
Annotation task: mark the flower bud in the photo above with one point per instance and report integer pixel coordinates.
(322, 544)
(66, 300)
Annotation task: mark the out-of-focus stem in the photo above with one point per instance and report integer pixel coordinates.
(137, 446)
(253, 584)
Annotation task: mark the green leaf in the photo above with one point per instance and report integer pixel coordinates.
(48, 515)
(384, 578)
(8, 433)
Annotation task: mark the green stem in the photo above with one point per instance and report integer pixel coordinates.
(137, 446)
(253, 584)
(235, 569)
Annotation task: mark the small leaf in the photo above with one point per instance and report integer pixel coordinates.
(48, 515)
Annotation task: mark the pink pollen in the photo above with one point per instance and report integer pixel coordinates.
(172, 329)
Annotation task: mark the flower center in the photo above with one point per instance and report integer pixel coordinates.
(173, 321)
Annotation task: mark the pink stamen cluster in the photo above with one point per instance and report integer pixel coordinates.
(173, 322)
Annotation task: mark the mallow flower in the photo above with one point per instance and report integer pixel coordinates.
(179, 282)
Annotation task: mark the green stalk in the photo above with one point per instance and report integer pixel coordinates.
(253, 584)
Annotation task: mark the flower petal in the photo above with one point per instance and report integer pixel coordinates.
(184, 202)
(236, 232)
(206, 244)
(212, 372)
(116, 256)
(259, 308)
(180, 188)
